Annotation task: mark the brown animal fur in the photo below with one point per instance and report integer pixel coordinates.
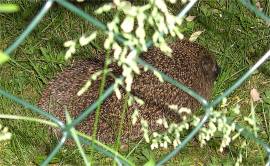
(191, 65)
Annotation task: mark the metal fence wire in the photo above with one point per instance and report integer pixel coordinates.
(102, 148)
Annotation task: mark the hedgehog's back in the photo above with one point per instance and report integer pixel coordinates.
(185, 67)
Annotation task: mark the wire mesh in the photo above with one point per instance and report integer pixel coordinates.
(208, 106)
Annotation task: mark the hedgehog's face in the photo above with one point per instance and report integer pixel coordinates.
(210, 67)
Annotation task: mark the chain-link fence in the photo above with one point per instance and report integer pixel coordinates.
(100, 147)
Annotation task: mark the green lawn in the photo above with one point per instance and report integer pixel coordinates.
(233, 33)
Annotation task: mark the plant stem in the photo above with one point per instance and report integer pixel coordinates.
(97, 112)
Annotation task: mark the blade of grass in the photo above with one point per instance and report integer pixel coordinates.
(125, 108)
(76, 139)
(101, 90)
(105, 149)
(118, 139)
(37, 71)
(17, 117)
(55, 150)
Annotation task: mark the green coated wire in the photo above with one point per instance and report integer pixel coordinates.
(186, 89)
(241, 79)
(181, 14)
(29, 28)
(214, 103)
(99, 24)
(187, 138)
(105, 150)
(88, 18)
(82, 14)
(91, 108)
(246, 133)
(112, 155)
(251, 7)
(72, 132)
(31, 107)
(179, 85)
(219, 99)
(55, 150)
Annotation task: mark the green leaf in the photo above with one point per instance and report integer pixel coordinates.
(206, 11)
(3, 57)
(9, 8)
(39, 159)
(266, 97)
(151, 162)
(190, 25)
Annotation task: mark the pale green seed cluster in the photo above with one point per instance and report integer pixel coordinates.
(89, 82)
(135, 116)
(4, 133)
(218, 123)
(125, 54)
(239, 159)
(154, 14)
(144, 129)
(172, 135)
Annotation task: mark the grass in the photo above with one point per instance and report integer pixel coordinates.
(235, 35)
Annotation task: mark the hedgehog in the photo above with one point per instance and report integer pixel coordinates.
(190, 64)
